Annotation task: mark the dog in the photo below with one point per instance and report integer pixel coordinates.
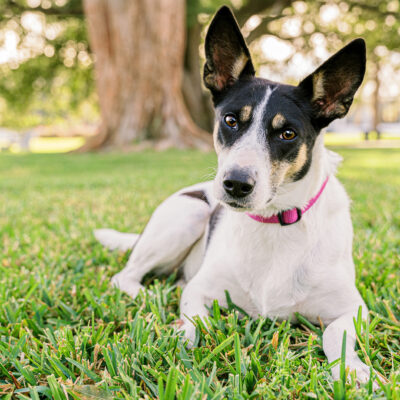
(273, 228)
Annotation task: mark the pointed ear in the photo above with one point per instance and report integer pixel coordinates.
(331, 88)
(227, 56)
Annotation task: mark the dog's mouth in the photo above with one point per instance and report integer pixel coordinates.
(234, 204)
(238, 206)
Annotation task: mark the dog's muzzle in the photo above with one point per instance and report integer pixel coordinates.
(238, 184)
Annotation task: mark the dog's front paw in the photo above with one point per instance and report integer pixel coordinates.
(189, 331)
(130, 287)
(362, 372)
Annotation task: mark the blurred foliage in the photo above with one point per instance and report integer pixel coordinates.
(309, 25)
(51, 79)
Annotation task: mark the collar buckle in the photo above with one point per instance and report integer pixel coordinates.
(281, 217)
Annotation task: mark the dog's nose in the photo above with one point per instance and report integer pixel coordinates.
(238, 184)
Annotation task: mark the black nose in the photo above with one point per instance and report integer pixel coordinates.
(238, 184)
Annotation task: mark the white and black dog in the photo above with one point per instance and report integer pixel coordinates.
(274, 227)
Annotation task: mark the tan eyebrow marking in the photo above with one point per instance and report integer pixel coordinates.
(278, 121)
(245, 113)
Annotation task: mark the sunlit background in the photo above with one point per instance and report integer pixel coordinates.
(48, 97)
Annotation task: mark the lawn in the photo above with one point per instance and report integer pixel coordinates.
(65, 333)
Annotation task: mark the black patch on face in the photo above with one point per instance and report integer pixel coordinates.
(303, 171)
(320, 98)
(287, 100)
(250, 92)
(215, 215)
(323, 96)
(197, 194)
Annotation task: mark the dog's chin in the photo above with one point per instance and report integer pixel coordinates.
(236, 204)
(253, 204)
(245, 206)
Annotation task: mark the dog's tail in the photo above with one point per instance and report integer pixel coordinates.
(115, 240)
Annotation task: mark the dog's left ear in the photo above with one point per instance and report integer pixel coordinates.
(331, 88)
(227, 56)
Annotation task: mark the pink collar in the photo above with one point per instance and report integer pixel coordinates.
(289, 217)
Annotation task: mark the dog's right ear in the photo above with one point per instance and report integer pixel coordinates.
(227, 56)
(331, 88)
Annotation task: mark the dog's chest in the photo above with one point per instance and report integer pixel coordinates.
(272, 264)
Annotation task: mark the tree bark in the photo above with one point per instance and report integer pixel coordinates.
(196, 98)
(376, 103)
(139, 48)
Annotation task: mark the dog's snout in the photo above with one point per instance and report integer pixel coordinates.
(238, 184)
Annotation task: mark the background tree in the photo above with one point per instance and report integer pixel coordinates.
(139, 48)
(329, 24)
(198, 16)
(53, 80)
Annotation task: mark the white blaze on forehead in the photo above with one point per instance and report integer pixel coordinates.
(254, 134)
(249, 150)
(258, 114)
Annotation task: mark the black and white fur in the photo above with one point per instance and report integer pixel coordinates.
(268, 269)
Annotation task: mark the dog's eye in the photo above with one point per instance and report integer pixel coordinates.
(231, 121)
(288, 134)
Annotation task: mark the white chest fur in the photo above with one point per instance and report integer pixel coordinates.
(279, 270)
(273, 265)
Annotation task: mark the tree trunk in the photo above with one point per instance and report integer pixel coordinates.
(139, 47)
(196, 98)
(376, 104)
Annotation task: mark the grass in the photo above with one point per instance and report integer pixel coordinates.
(65, 333)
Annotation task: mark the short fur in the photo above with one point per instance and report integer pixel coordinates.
(270, 270)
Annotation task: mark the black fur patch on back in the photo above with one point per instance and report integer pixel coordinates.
(197, 194)
(215, 215)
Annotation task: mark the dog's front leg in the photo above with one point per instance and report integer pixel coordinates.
(332, 344)
(171, 232)
(193, 304)
(208, 285)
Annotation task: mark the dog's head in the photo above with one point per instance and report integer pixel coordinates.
(265, 131)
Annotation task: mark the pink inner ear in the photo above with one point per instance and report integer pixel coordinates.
(219, 82)
(223, 61)
(330, 101)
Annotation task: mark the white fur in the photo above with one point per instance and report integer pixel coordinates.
(115, 240)
(269, 270)
(248, 153)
